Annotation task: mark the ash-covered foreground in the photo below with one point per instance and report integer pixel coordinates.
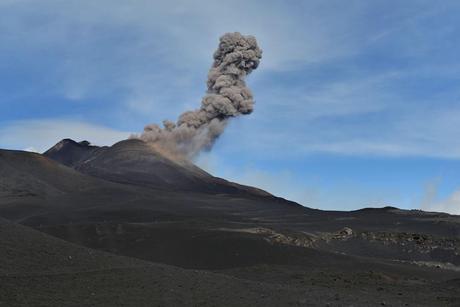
(126, 226)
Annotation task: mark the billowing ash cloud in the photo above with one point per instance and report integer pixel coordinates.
(227, 96)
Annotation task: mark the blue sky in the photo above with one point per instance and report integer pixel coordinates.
(357, 102)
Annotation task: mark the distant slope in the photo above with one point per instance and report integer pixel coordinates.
(71, 153)
(136, 162)
(31, 184)
(36, 190)
(31, 174)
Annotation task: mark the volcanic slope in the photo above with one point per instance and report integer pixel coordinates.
(110, 201)
(136, 162)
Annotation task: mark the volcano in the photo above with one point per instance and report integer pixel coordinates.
(136, 162)
(130, 225)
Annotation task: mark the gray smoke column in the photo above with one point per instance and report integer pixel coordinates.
(227, 96)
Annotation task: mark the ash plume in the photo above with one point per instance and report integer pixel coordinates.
(227, 96)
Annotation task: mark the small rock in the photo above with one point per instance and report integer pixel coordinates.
(346, 231)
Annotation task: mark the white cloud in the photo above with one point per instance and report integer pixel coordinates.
(40, 135)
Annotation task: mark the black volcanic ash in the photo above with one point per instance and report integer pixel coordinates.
(227, 96)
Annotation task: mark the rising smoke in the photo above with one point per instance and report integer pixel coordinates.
(227, 96)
